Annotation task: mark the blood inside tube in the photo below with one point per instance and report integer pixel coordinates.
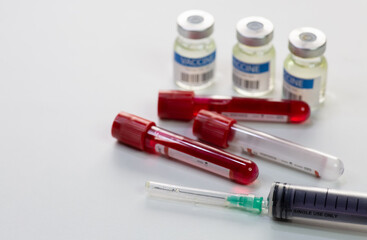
(201, 155)
(256, 117)
(191, 160)
(249, 109)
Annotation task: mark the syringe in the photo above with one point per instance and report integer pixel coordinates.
(285, 201)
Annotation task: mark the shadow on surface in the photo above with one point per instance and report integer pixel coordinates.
(319, 228)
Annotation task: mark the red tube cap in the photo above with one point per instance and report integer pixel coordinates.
(174, 104)
(130, 129)
(213, 128)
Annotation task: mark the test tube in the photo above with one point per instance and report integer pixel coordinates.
(185, 105)
(143, 134)
(285, 201)
(223, 131)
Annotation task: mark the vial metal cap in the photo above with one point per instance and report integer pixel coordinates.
(254, 31)
(307, 42)
(195, 24)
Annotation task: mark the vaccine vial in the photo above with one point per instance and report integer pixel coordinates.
(194, 50)
(254, 57)
(305, 68)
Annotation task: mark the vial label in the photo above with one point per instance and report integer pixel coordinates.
(194, 71)
(256, 117)
(251, 76)
(250, 150)
(197, 162)
(302, 89)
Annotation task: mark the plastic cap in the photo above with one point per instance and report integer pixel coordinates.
(174, 104)
(130, 129)
(213, 128)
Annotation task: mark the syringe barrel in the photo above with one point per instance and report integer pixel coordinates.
(288, 202)
(185, 105)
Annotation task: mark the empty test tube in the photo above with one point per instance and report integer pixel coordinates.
(223, 131)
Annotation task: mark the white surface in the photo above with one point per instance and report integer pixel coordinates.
(68, 67)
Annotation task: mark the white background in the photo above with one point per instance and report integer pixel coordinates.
(68, 67)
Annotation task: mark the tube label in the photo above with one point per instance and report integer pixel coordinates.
(256, 117)
(253, 151)
(249, 76)
(307, 90)
(197, 162)
(194, 71)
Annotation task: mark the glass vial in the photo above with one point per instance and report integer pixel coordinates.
(305, 68)
(194, 50)
(254, 57)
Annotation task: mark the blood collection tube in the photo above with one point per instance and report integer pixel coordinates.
(184, 105)
(285, 201)
(143, 134)
(223, 131)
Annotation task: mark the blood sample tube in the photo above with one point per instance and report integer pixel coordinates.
(143, 134)
(223, 131)
(184, 105)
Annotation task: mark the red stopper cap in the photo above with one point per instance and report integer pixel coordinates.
(213, 128)
(175, 104)
(130, 129)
